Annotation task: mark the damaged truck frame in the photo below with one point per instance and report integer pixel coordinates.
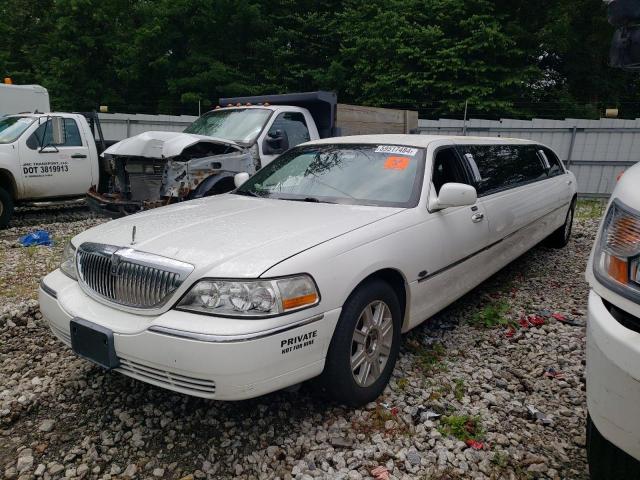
(243, 134)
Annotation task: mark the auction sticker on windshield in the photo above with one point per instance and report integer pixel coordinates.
(396, 149)
(396, 163)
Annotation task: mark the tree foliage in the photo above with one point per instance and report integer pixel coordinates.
(505, 57)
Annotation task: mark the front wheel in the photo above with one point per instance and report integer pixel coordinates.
(365, 345)
(6, 208)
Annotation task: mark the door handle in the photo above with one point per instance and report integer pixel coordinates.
(477, 217)
(78, 155)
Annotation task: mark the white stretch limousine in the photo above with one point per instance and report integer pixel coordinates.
(313, 266)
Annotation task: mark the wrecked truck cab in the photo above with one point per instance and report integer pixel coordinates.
(158, 168)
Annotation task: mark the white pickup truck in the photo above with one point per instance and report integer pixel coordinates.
(44, 157)
(243, 134)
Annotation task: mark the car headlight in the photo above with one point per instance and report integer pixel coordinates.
(617, 259)
(68, 265)
(251, 298)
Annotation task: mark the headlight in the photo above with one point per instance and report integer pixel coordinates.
(617, 259)
(251, 298)
(68, 265)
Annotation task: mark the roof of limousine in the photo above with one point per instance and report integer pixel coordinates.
(415, 140)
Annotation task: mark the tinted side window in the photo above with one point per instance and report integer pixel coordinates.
(71, 135)
(554, 162)
(293, 123)
(505, 166)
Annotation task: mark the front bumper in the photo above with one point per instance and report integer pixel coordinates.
(613, 373)
(221, 367)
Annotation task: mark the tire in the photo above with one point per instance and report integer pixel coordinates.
(606, 461)
(349, 385)
(560, 238)
(6, 208)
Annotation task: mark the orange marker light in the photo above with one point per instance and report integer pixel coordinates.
(618, 269)
(295, 302)
(8, 81)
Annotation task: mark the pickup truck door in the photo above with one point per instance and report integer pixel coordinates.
(453, 242)
(296, 127)
(55, 170)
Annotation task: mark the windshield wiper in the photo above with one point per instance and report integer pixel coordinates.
(306, 199)
(247, 193)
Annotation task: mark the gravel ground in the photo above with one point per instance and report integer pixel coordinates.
(474, 394)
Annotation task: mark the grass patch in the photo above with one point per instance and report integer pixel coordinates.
(462, 427)
(493, 314)
(428, 359)
(377, 422)
(590, 209)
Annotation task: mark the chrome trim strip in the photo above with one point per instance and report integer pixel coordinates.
(205, 337)
(484, 249)
(48, 290)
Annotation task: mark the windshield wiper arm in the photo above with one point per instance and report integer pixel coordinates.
(307, 199)
(247, 193)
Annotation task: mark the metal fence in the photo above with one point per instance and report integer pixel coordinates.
(597, 151)
(118, 126)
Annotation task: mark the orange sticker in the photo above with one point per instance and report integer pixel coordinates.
(396, 163)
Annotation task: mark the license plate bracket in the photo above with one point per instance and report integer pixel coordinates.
(94, 343)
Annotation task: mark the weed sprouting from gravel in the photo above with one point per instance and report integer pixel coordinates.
(493, 314)
(428, 358)
(458, 389)
(462, 427)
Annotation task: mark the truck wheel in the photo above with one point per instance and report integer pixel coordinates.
(364, 347)
(6, 208)
(560, 238)
(606, 461)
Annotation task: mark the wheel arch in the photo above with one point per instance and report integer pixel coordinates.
(396, 280)
(220, 180)
(8, 182)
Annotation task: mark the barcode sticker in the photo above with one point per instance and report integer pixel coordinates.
(397, 149)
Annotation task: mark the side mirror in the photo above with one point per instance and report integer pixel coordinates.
(240, 178)
(454, 195)
(276, 143)
(57, 130)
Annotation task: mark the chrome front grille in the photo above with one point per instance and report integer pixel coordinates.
(128, 277)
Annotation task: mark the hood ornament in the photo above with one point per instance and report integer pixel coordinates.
(133, 235)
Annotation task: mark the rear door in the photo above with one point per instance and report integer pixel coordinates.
(58, 169)
(513, 186)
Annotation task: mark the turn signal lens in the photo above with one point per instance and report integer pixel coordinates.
(616, 260)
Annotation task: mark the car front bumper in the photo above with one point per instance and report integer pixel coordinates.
(613, 373)
(222, 367)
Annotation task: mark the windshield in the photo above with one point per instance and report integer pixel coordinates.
(12, 127)
(382, 175)
(239, 125)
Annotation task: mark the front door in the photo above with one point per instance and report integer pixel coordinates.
(292, 127)
(55, 170)
(453, 240)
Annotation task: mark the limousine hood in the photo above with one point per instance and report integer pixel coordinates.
(232, 235)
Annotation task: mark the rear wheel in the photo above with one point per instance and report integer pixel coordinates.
(560, 238)
(6, 207)
(606, 461)
(364, 347)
